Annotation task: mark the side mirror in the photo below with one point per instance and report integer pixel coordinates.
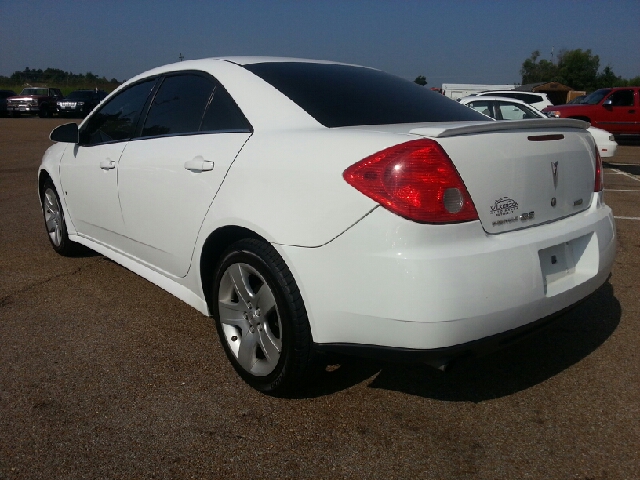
(67, 133)
(607, 103)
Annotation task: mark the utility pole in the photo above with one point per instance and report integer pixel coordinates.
(181, 57)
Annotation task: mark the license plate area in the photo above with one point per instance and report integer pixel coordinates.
(568, 264)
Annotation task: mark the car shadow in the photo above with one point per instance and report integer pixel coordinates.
(632, 169)
(631, 140)
(520, 366)
(80, 251)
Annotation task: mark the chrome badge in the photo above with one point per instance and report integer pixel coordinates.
(554, 170)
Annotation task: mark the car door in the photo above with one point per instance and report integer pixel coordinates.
(169, 175)
(89, 170)
(619, 112)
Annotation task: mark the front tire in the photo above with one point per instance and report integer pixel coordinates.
(260, 317)
(44, 112)
(54, 220)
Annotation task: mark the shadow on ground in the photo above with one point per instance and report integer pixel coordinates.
(531, 361)
(632, 169)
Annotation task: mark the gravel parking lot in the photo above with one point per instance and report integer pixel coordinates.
(104, 375)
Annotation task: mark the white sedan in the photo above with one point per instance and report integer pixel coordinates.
(501, 108)
(314, 207)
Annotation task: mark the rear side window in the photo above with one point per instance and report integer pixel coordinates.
(179, 105)
(117, 119)
(482, 106)
(192, 103)
(223, 114)
(344, 95)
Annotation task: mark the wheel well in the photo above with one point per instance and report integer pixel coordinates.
(42, 178)
(212, 250)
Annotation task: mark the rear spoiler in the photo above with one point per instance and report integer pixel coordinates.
(442, 130)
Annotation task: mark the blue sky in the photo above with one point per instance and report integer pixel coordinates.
(447, 40)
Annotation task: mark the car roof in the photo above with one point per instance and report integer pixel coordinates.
(206, 64)
(482, 98)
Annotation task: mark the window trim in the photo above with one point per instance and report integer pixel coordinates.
(159, 80)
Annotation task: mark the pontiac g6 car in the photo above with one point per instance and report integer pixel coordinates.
(311, 206)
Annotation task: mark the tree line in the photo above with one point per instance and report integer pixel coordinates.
(54, 77)
(577, 69)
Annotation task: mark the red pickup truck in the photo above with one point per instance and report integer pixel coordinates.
(616, 110)
(40, 100)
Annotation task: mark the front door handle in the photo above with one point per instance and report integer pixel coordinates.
(198, 164)
(107, 164)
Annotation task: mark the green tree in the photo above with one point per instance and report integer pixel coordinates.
(534, 71)
(421, 80)
(633, 82)
(609, 79)
(578, 69)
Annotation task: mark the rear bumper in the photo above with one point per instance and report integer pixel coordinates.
(438, 357)
(388, 282)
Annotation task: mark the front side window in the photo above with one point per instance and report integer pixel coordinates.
(179, 105)
(117, 119)
(621, 98)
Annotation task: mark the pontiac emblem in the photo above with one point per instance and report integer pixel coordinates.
(554, 170)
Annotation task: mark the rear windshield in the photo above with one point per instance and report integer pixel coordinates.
(344, 95)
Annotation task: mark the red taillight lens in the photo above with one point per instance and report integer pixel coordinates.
(416, 180)
(599, 184)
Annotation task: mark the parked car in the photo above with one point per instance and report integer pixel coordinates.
(34, 100)
(317, 207)
(535, 99)
(80, 102)
(509, 109)
(4, 94)
(616, 110)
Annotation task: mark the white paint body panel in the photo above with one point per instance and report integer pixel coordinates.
(395, 283)
(164, 203)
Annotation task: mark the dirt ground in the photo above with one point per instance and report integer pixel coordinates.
(106, 376)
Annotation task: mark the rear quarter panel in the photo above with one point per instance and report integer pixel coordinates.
(288, 187)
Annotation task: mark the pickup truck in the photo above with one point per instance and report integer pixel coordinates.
(616, 110)
(34, 100)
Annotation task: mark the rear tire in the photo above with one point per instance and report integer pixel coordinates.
(260, 317)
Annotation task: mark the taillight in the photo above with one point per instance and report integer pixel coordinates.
(599, 184)
(416, 180)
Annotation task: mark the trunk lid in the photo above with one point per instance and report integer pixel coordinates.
(521, 173)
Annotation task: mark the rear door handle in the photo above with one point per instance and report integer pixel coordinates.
(198, 164)
(107, 164)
